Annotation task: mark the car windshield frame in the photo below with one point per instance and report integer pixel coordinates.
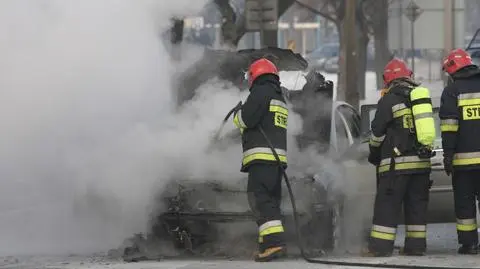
(352, 118)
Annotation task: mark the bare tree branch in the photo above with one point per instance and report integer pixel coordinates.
(334, 10)
(373, 12)
(368, 8)
(371, 16)
(362, 19)
(339, 7)
(323, 11)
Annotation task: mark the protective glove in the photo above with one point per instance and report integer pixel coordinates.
(237, 107)
(236, 119)
(448, 164)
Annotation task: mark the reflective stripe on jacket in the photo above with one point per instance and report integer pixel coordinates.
(265, 107)
(393, 135)
(264, 154)
(460, 119)
(404, 164)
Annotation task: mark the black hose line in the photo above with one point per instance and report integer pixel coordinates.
(299, 236)
(224, 121)
(235, 109)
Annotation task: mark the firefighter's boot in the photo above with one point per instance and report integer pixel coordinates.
(369, 253)
(468, 249)
(271, 254)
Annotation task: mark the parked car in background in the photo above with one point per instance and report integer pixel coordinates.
(332, 65)
(317, 58)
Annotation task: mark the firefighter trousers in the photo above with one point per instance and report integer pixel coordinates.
(466, 188)
(411, 190)
(264, 196)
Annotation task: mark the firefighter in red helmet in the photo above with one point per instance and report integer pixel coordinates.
(265, 107)
(460, 125)
(400, 148)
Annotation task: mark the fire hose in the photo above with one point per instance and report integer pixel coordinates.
(296, 222)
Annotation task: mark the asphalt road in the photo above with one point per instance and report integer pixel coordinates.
(441, 252)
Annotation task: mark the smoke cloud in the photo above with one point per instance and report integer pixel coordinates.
(87, 127)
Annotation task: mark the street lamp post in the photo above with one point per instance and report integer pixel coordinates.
(412, 12)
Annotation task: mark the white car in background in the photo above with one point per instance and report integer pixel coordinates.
(331, 65)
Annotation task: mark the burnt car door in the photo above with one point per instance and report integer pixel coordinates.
(347, 124)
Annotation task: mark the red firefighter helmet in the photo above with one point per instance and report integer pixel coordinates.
(260, 67)
(456, 60)
(395, 69)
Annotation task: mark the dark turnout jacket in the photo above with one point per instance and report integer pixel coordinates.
(393, 141)
(460, 119)
(265, 107)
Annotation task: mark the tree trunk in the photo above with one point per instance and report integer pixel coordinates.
(362, 66)
(380, 32)
(342, 67)
(361, 50)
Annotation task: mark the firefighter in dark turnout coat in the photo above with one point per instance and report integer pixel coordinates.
(403, 175)
(460, 126)
(265, 107)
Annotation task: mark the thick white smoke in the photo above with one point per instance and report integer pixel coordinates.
(87, 128)
(89, 135)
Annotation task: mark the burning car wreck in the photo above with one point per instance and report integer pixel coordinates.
(199, 216)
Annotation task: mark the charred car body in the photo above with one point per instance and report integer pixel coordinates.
(195, 208)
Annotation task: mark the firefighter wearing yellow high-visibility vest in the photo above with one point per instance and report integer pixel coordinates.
(265, 107)
(460, 126)
(403, 132)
